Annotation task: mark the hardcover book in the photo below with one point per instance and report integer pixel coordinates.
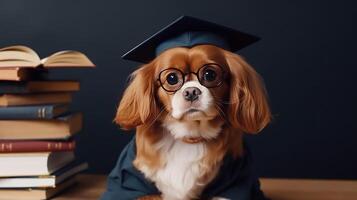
(35, 99)
(44, 181)
(36, 193)
(23, 56)
(11, 87)
(62, 127)
(21, 146)
(14, 74)
(22, 74)
(33, 164)
(33, 112)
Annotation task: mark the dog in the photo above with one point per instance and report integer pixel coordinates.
(191, 108)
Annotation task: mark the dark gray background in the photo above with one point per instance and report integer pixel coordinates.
(307, 58)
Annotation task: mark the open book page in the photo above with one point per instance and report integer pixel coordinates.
(18, 56)
(23, 57)
(67, 58)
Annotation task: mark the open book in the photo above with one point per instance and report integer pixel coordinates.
(21, 56)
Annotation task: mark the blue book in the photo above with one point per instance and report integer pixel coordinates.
(33, 112)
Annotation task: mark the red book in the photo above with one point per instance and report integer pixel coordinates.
(18, 146)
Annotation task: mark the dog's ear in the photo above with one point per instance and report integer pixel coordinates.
(138, 105)
(248, 108)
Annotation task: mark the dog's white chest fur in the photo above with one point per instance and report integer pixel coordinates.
(179, 175)
(180, 178)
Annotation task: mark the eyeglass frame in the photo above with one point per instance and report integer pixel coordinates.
(224, 73)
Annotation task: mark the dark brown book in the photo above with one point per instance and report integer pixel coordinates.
(12, 87)
(20, 146)
(35, 99)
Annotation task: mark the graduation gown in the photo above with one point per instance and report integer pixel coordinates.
(236, 179)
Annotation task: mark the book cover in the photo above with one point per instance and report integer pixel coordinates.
(35, 99)
(35, 193)
(33, 164)
(61, 127)
(23, 74)
(53, 180)
(33, 112)
(12, 87)
(21, 146)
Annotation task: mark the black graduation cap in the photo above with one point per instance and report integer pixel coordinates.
(188, 31)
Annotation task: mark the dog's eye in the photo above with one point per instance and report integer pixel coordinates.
(209, 75)
(172, 78)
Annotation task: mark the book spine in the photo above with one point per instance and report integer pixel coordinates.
(35, 146)
(27, 112)
(10, 87)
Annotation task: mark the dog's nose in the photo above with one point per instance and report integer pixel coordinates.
(191, 93)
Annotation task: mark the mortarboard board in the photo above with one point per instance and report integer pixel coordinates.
(188, 31)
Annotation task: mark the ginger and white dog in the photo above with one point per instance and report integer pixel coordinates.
(190, 108)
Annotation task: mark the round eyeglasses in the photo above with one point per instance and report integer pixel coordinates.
(209, 75)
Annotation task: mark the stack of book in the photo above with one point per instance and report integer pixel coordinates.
(36, 126)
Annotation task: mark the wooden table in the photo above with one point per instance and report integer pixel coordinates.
(90, 187)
